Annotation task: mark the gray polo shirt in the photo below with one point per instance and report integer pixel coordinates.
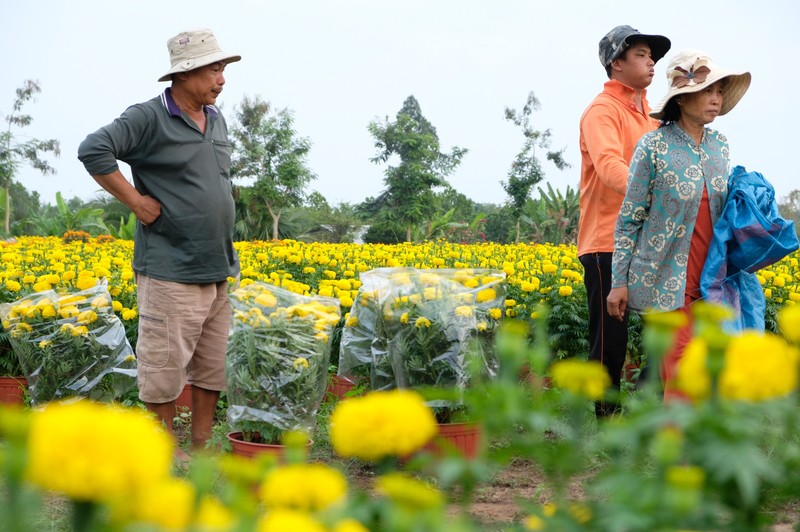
(189, 173)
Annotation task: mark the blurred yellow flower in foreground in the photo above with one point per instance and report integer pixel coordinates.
(408, 492)
(281, 520)
(393, 423)
(757, 367)
(586, 378)
(90, 451)
(306, 487)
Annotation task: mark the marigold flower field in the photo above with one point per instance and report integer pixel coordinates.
(536, 273)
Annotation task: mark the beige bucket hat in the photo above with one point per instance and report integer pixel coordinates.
(194, 49)
(693, 71)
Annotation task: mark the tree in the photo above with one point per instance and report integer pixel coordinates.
(526, 171)
(409, 197)
(14, 152)
(268, 150)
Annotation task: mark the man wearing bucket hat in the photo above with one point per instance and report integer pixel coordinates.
(179, 153)
(676, 193)
(609, 129)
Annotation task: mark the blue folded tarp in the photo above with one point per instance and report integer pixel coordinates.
(750, 235)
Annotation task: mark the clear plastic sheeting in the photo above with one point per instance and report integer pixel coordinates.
(277, 361)
(70, 344)
(411, 328)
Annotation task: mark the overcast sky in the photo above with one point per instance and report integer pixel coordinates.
(340, 64)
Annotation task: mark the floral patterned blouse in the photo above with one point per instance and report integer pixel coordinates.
(655, 224)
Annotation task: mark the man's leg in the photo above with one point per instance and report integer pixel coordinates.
(608, 337)
(204, 405)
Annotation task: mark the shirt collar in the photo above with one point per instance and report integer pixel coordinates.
(625, 94)
(174, 110)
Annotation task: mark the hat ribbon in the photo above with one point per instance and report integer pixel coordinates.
(696, 74)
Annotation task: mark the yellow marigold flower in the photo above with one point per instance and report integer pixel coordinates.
(794, 296)
(393, 423)
(487, 294)
(668, 320)
(510, 303)
(789, 322)
(345, 300)
(404, 318)
(44, 343)
(779, 282)
(768, 293)
(527, 286)
(309, 269)
(421, 322)
(213, 515)
(482, 326)
(692, 376)
(686, 477)
(408, 492)
(116, 306)
(300, 363)
(20, 329)
(495, 313)
(70, 275)
(87, 317)
(29, 279)
(49, 311)
(586, 378)
(465, 310)
(429, 278)
(351, 321)
(103, 452)
(565, 290)
(534, 522)
(129, 314)
(321, 336)
(343, 284)
(100, 302)
(85, 283)
(773, 373)
(349, 525)
(549, 268)
(280, 520)
(130, 358)
(167, 504)
(81, 330)
(304, 487)
(13, 286)
(266, 300)
(69, 311)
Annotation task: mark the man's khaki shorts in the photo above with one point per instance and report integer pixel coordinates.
(183, 335)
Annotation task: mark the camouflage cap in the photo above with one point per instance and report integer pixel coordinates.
(616, 41)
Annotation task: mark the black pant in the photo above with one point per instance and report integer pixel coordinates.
(608, 337)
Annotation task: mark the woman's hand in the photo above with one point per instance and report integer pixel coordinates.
(617, 302)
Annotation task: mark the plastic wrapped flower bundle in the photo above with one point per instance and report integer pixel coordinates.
(70, 345)
(412, 327)
(277, 361)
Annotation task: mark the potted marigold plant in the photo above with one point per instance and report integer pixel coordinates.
(70, 345)
(277, 361)
(416, 327)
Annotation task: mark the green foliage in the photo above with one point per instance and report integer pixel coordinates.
(409, 198)
(268, 152)
(55, 221)
(552, 218)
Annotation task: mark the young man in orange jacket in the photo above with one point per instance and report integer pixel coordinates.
(609, 130)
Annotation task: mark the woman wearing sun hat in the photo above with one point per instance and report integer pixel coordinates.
(676, 192)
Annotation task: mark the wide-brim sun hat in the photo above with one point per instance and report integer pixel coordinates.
(692, 71)
(189, 50)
